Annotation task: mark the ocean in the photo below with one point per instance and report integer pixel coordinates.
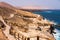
(52, 15)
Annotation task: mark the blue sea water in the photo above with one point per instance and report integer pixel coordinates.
(52, 15)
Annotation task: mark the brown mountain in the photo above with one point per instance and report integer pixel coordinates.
(3, 4)
(22, 20)
(7, 9)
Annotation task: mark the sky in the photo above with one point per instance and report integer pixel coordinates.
(51, 4)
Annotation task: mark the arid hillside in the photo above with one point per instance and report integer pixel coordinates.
(22, 25)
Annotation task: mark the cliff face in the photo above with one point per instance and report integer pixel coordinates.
(23, 24)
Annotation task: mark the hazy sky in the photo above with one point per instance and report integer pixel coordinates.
(54, 4)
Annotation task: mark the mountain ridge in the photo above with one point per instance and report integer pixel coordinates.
(7, 5)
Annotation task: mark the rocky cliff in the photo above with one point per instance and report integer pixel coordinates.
(18, 24)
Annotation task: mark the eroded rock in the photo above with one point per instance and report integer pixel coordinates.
(23, 25)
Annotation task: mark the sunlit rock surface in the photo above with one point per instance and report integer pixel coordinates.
(3, 36)
(23, 25)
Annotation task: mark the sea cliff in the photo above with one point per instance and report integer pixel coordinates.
(23, 25)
